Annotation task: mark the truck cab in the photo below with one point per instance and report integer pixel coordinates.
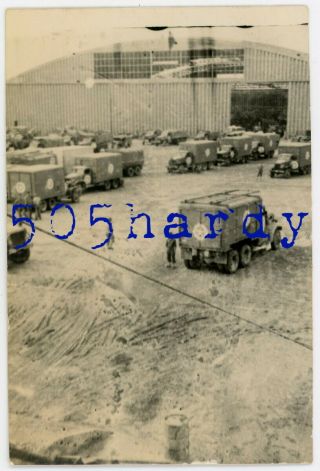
(80, 175)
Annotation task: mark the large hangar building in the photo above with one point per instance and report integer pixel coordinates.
(193, 84)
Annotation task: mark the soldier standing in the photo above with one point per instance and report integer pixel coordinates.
(112, 238)
(28, 203)
(36, 207)
(260, 172)
(171, 245)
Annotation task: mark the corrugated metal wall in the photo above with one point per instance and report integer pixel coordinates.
(298, 107)
(55, 94)
(132, 105)
(267, 66)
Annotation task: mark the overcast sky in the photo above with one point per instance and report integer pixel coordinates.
(34, 37)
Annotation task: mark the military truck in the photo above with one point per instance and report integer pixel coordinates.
(232, 248)
(31, 156)
(52, 140)
(19, 137)
(234, 131)
(103, 141)
(122, 140)
(293, 158)
(150, 136)
(234, 149)
(194, 156)
(132, 161)
(16, 236)
(45, 181)
(98, 170)
(264, 145)
(207, 135)
(171, 136)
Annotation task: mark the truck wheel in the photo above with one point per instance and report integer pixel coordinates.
(245, 255)
(232, 261)
(192, 264)
(20, 257)
(75, 195)
(115, 183)
(287, 173)
(276, 241)
(43, 206)
(271, 174)
(107, 185)
(130, 171)
(137, 171)
(51, 203)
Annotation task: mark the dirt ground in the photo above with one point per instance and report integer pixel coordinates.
(99, 357)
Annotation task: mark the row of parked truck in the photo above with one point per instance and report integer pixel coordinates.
(65, 172)
(196, 156)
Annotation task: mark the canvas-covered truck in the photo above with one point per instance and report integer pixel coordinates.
(16, 236)
(45, 181)
(171, 137)
(98, 170)
(132, 161)
(264, 145)
(293, 158)
(31, 156)
(122, 140)
(194, 156)
(103, 141)
(232, 248)
(66, 155)
(234, 149)
(52, 140)
(207, 135)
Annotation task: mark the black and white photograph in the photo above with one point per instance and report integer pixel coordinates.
(159, 235)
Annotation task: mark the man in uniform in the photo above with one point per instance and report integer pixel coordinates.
(28, 203)
(171, 245)
(36, 207)
(112, 238)
(260, 172)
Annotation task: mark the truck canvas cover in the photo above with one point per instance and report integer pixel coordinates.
(235, 204)
(203, 151)
(45, 180)
(31, 157)
(105, 165)
(66, 155)
(241, 143)
(131, 157)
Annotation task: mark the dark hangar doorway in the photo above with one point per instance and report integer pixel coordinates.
(263, 107)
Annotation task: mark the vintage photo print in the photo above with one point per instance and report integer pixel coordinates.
(158, 180)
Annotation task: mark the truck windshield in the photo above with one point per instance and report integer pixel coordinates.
(180, 154)
(283, 158)
(78, 169)
(224, 148)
